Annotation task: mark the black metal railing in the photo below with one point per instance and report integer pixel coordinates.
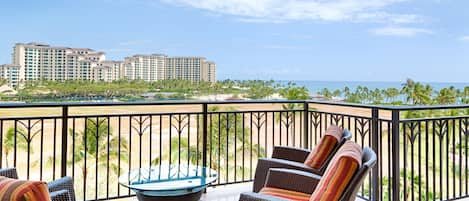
(422, 150)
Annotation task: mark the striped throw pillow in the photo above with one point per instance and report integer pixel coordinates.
(287, 194)
(321, 152)
(339, 173)
(20, 190)
(325, 147)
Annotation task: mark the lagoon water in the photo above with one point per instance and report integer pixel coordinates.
(317, 86)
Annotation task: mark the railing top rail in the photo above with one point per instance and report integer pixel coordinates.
(185, 102)
(344, 104)
(427, 107)
(173, 102)
(390, 107)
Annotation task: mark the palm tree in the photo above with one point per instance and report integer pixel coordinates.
(361, 94)
(9, 142)
(366, 94)
(351, 97)
(376, 96)
(93, 143)
(346, 91)
(427, 94)
(220, 139)
(465, 95)
(447, 96)
(259, 90)
(337, 93)
(326, 93)
(408, 89)
(292, 92)
(184, 152)
(417, 94)
(288, 118)
(224, 137)
(390, 94)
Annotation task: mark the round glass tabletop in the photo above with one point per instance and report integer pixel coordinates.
(168, 178)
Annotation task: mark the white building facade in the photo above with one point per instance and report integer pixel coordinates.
(108, 71)
(145, 67)
(190, 68)
(41, 61)
(35, 61)
(10, 73)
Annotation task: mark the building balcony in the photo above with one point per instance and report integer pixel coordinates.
(422, 150)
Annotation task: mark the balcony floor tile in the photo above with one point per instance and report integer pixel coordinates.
(221, 193)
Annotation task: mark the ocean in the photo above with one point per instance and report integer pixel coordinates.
(316, 86)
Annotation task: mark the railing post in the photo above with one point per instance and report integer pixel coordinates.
(204, 133)
(306, 124)
(375, 178)
(395, 155)
(63, 162)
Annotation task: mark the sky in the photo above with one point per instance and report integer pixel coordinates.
(331, 40)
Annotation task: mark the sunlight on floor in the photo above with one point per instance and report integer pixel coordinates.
(226, 193)
(220, 193)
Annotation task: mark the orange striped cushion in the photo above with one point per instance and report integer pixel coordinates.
(19, 190)
(321, 152)
(339, 173)
(287, 194)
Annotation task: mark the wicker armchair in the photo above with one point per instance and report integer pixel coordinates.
(306, 182)
(291, 158)
(59, 190)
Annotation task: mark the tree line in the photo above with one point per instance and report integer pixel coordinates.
(123, 89)
(411, 93)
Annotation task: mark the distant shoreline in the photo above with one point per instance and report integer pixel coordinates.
(316, 86)
(349, 91)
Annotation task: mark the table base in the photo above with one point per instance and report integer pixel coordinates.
(189, 197)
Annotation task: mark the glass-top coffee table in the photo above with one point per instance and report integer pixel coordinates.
(169, 182)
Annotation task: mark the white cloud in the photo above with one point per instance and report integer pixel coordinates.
(260, 20)
(465, 38)
(389, 18)
(287, 10)
(400, 31)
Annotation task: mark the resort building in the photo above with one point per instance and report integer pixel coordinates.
(79, 67)
(10, 73)
(41, 61)
(34, 61)
(190, 68)
(159, 67)
(210, 71)
(108, 71)
(145, 67)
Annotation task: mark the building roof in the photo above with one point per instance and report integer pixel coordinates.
(43, 45)
(147, 55)
(186, 57)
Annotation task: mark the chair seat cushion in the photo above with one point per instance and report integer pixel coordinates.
(287, 194)
(20, 190)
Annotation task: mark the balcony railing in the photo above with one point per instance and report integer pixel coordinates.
(422, 150)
